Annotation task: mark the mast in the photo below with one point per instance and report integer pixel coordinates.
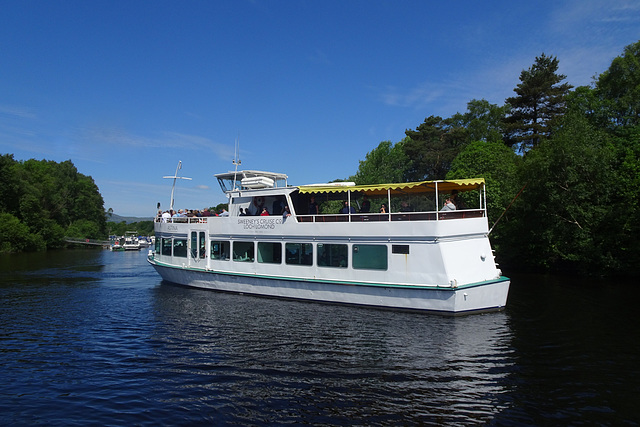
(175, 177)
(236, 161)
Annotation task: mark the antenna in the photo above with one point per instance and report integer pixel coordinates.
(236, 160)
(175, 177)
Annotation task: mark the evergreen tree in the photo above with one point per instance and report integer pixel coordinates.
(540, 101)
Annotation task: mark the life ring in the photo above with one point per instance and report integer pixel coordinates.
(258, 201)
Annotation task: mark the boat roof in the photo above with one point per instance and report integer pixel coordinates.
(238, 175)
(449, 185)
(407, 187)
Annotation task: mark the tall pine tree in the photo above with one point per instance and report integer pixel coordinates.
(540, 101)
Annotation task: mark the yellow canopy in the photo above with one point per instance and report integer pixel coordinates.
(404, 188)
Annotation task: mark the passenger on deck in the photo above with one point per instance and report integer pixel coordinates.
(383, 208)
(286, 213)
(242, 212)
(448, 205)
(313, 206)
(264, 212)
(277, 206)
(366, 205)
(456, 201)
(405, 207)
(347, 209)
(224, 212)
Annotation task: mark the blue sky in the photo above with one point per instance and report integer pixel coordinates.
(126, 89)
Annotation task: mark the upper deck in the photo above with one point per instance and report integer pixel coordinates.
(258, 193)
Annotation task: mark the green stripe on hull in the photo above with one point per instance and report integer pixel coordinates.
(335, 282)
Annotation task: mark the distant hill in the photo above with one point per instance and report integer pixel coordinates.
(127, 219)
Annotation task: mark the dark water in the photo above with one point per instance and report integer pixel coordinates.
(95, 338)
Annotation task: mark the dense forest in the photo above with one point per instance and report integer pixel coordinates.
(43, 201)
(561, 163)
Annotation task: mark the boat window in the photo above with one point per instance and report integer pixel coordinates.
(299, 253)
(369, 257)
(166, 246)
(158, 245)
(331, 255)
(203, 244)
(400, 249)
(180, 247)
(243, 251)
(220, 250)
(194, 244)
(269, 252)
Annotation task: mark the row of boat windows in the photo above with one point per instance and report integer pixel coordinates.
(361, 256)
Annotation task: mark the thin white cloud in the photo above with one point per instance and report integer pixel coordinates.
(165, 140)
(17, 111)
(414, 97)
(319, 57)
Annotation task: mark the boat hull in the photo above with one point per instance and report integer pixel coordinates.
(470, 298)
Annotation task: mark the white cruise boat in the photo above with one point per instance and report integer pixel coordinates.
(413, 256)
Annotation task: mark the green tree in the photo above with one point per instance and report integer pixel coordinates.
(48, 198)
(613, 105)
(619, 87)
(539, 103)
(84, 229)
(385, 163)
(497, 164)
(484, 121)
(16, 237)
(432, 147)
(9, 188)
(566, 209)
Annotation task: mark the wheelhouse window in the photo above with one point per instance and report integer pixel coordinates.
(180, 248)
(369, 257)
(243, 251)
(270, 252)
(299, 253)
(220, 250)
(332, 255)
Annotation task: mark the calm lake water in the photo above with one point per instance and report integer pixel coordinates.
(92, 337)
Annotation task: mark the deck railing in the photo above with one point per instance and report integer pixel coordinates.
(396, 216)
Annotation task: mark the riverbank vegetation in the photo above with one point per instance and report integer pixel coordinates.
(561, 163)
(43, 201)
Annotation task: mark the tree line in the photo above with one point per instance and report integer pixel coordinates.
(568, 156)
(43, 201)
